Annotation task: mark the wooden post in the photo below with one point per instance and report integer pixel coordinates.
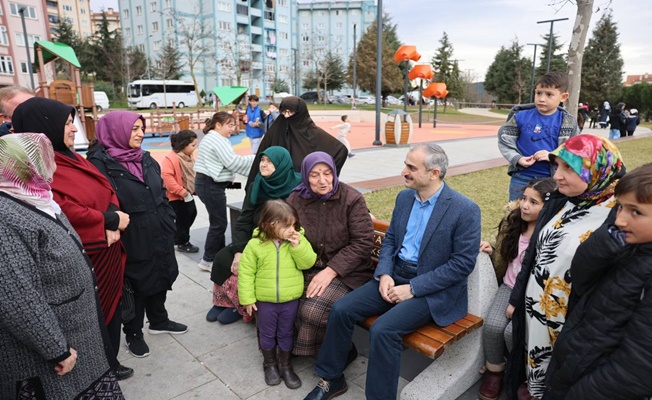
(41, 73)
(80, 100)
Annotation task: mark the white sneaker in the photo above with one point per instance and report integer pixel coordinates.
(205, 265)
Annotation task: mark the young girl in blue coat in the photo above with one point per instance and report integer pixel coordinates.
(270, 282)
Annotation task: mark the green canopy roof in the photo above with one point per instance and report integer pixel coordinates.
(229, 94)
(52, 50)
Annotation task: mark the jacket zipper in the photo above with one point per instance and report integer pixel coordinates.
(278, 268)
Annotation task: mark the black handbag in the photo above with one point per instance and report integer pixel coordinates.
(128, 302)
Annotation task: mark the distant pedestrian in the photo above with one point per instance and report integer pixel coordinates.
(272, 114)
(594, 115)
(345, 128)
(618, 121)
(604, 114)
(270, 282)
(632, 121)
(254, 127)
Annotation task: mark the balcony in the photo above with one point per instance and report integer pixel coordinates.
(269, 15)
(256, 65)
(256, 48)
(256, 30)
(241, 9)
(255, 12)
(52, 4)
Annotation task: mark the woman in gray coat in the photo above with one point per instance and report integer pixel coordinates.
(52, 338)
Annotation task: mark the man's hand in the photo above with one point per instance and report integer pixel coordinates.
(250, 308)
(400, 293)
(68, 364)
(112, 236)
(386, 284)
(124, 220)
(320, 282)
(541, 155)
(235, 263)
(510, 311)
(526, 161)
(485, 247)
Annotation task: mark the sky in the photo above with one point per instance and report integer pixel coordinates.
(477, 28)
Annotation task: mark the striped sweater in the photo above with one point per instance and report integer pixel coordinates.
(217, 159)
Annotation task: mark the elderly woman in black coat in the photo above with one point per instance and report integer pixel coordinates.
(149, 239)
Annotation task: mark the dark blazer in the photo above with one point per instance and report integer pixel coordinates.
(449, 249)
(149, 238)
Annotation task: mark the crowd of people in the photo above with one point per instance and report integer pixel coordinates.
(88, 246)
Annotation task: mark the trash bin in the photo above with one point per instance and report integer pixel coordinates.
(398, 128)
(184, 123)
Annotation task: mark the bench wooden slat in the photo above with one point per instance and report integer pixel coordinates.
(425, 345)
(455, 330)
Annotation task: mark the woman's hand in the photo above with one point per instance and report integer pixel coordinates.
(112, 236)
(510, 311)
(486, 247)
(320, 282)
(68, 364)
(124, 220)
(386, 284)
(235, 263)
(250, 308)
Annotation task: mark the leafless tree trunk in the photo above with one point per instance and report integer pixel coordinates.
(576, 51)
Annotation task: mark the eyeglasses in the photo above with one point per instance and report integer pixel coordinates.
(231, 125)
(287, 113)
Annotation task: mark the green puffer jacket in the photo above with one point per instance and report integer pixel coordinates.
(273, 274)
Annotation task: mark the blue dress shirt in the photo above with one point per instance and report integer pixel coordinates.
(416, 226)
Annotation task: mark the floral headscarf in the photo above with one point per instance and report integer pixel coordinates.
(598, 163)
(27, 167)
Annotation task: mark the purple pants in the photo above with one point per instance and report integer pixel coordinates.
(276, 324)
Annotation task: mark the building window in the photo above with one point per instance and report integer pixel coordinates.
(66, 7)
(23, 67)
(157, 44)
(155, 26)
(30, 12)
(139, 10)
(282, 2)
(125, 12)
(6, 65)
(127, 31)
(224, 6)
(304, 26)
(283, 19)
(168, 3)
(320, 26)
(284, 35)
(82, 10)
(224, 25)
(284, 52)
(305, 38)
(306, 63)
(139, 29)
(152, 6)
(269, 15)
(20, 39)
(338, 25)
(4, 38)
(337, 12)
(141, 48)
(321, 38)
(169, 23)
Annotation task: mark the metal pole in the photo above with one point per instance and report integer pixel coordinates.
(355, 64)
(405, 96)
(420, 99)
(21, 11)
(552, 22)
(379, 68)
(534, 63)
(434, 120)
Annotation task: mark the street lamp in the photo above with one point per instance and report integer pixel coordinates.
(552, 22)
(21, 11)
(534, 62)
(379, 69)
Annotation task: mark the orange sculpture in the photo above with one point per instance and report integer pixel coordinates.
(423, 71)
(436, 89)
(405, 53)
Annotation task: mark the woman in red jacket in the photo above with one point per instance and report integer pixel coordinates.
(179, 178)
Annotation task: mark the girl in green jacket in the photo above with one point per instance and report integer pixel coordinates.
(270, 282)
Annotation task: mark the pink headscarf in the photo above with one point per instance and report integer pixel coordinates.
(113, 131)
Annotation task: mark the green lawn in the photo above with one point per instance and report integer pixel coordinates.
(489, 188)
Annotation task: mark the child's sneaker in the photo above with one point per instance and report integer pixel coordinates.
(205, 265)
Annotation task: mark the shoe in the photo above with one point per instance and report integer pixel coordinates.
(291, 379)
(270, 367)
(492, 384)
(213, 313)
(187, 248)
(328, 389)
(523, 392)
(229, 316)
(171, 327)
(136, 344)
(351, 155)
(205, 265)
(353, 354)
(122, 372)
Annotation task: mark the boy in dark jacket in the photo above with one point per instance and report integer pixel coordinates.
(604, 350)
(632, 121)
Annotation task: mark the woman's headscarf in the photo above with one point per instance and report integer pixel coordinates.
(307, 165)
(598, 163)
(279, 185)
(46, 116)
(113, 131)
(300, 136)
(26, 169)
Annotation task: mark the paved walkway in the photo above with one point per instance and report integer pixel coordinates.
(213, 361)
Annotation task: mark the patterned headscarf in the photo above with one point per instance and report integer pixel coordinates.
(279, 185)
(598, 163)
(27, 167)
(307, 165)
(113, 131)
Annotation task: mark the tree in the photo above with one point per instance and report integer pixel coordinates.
(392, 81)
(107, 54)
(557, 60)
(576, 51)
(602, 65)
(310, 80)
(447, 69)
(640, 97)
(508, 76)
(169, 64)
(331, 72)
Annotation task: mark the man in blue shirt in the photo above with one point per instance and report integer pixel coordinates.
(429, 250)
(254, 128)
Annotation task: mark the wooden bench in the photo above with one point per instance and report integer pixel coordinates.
(430, 340)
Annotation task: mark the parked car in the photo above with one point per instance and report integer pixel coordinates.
(312, 97)
(393, 101)
(101, 101)
(365, 100)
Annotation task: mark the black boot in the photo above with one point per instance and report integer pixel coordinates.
(270, 367)
(285, 368)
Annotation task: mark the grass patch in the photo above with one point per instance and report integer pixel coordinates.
(489, 188)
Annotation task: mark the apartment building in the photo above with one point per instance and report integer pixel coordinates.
(112, 17)
(76, 12)
(13, 52)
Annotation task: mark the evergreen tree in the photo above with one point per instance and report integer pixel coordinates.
(557, 58)
(107, 54)
(392, 80)
(67, 35)
(168, 62)
(332, 74)
(279, 86)
(602, 64)
(508, 77)
(446, 68)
